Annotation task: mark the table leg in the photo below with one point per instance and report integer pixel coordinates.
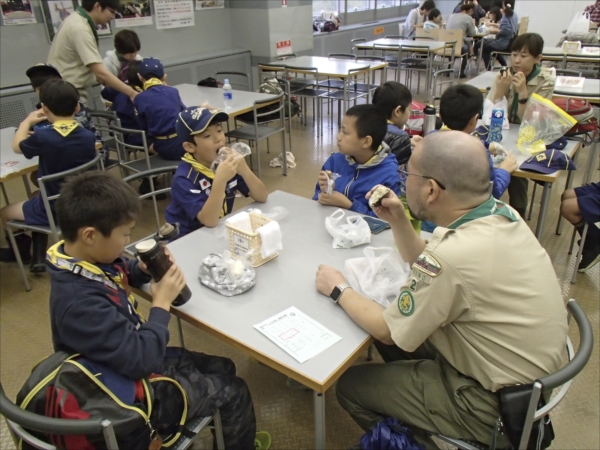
(589, 171)
(27, 187)
(543, 209)
(6, 202)
(319, 401)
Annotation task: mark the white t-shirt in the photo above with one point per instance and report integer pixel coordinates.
(414, 18)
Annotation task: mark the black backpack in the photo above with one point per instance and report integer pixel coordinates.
(272, 86)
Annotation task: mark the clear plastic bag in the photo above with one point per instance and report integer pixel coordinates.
(331, 177)
(580, 23)
(543, 123)
(228, 274)
(350, 233)
(379, 275)
(238, 149)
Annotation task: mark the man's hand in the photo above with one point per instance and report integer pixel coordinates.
(415, 140)
(328, 278)
(510, 163)
(391, 209)
(168, 288)
(503, 80)
(335, 199)
(133, 94)
(520, 82)
(35, 117)
(227, 169)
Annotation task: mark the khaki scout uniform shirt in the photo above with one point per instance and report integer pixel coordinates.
(74, 47)
(485, 294)
(542, 84)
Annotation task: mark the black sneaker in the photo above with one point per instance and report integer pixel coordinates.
(589, 259)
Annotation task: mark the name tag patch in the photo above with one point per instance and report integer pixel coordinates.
(428, 265)
(420, 276)
(232, 184)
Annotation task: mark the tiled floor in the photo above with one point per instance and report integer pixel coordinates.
(286, 413)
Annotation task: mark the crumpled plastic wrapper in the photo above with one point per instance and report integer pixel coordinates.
(239, 149)
(227, 274)
(499, 153)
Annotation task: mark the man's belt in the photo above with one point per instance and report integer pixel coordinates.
(164, 138)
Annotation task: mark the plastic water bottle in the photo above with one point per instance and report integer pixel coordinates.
(227, 94)
(495, 133)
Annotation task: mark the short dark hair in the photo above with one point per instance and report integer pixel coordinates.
(127, 41)
(433, 14)
(60, 97)
(467, 7)
(390, 95)
(532, 42)
(132, 74)
(95, 199)
(428, 5)
(497, 13)
(88, 5)
(370, 121)
(459, 104)
(38, 80)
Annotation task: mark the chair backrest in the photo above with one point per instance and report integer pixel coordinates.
(401, 30)
(452, 36)
(124, 148)
(307, 72)
(359, 75)
(567, 73)
(350, 56)
(17, 419)
(235, 78)
(393, 36)
(270, 111)
(46, 199)
(523, 25)
(353, 42)
(564, 376)
(431, 33)
(102, 122)
(370, 58)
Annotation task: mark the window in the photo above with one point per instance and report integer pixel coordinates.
(360, 5)
(387, 3)
(410, 2)
(319, 6)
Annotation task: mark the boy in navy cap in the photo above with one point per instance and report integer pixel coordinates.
(199, 196)
(63, 146)
(158, 107)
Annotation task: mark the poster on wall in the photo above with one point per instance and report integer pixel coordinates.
(17, 12)
(173, 14)
(55, 12)
(210, 4)
(133, 13)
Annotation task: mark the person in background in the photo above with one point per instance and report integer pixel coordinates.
(415, 18)
(478, 11)
(525, 78)
(74, 50)
(434, 19)
(464, 22)
(127, 46)
(594, 11)
(504, 32)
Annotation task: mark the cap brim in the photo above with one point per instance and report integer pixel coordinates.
(40, 70)
(537, 168)
(218, 117)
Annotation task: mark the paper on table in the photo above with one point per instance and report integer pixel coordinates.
(297, 334)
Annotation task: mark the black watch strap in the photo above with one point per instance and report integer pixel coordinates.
(522, 101)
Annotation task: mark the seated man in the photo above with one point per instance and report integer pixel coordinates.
(475, 316)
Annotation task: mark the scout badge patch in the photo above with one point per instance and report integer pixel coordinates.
(406, 303)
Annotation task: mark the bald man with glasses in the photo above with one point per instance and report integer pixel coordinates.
(481, 310)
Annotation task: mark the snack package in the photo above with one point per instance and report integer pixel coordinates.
(239, 149)
(228, 274)
(331, 177)
(498, 152)
(543, 123)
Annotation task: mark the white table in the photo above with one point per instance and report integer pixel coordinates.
(483, 81)
(557, 54)
(242, 102)
(13, 164)
(288, 280)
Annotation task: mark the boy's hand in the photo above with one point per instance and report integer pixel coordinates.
(227, 169)
(415, 140)
(510, 163)
(35, 117)
(242, 166)
(323, 181)
(168, 288)
(391, 209)
(143, 266)
(335, 199)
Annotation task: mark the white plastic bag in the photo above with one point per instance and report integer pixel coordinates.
(580, 23)
(488, 107)
(379, 275)
(350, 233)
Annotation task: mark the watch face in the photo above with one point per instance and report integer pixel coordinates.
(335, 294)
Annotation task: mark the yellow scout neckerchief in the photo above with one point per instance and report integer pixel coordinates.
(152, 82)
(64, 127)
(90, 271)
(188, 158)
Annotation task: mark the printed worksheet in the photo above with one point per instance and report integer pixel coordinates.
(297, 334)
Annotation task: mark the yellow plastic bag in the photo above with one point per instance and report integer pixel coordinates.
(543, 123)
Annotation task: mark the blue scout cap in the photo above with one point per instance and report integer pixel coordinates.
(151, 66)
(548, 161)
(42, 68)
(195, 120)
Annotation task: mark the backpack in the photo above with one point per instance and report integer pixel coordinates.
(581, 111)
(272, 86)
(414, 126)
(210, 82)
(72, 387)
(389, 435)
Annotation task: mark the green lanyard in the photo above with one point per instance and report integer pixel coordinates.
(83, 13)
(515, 104)
(490, 207)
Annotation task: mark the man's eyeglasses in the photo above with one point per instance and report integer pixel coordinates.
(406, 174)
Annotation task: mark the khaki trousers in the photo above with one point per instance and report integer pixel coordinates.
(422, 390)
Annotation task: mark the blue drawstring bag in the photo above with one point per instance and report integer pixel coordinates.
(390, 435)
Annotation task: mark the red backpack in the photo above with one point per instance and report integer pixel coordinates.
(414, 126)
(581, 111)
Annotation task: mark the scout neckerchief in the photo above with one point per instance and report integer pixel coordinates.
(65, 127)
(515, 104)
(112, 276)
(491, 207)
(152, 82)
(83, 13)
(199, 167)
(382, 152)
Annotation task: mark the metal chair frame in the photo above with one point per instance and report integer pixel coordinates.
(227, 74)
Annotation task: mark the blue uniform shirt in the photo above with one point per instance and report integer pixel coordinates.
(190, 190)
(122, 106)
(158, 108)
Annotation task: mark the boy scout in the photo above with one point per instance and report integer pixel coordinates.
(475, 315)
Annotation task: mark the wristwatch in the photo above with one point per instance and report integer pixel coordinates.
(337, 292)
(522, 101)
